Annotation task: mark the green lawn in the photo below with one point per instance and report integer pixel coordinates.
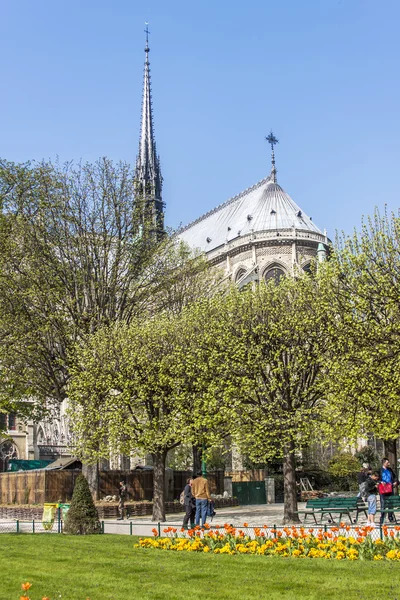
(108, 567)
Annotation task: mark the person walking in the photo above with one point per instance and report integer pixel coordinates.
(190, 505)
(388, 481)
(201, 492)
(122, 494)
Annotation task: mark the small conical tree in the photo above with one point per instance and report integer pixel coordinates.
(82, 517)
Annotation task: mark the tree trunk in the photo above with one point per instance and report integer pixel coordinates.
(197, 452)
(91, 472)
(158, 486)
(289, 485)
(391, 453)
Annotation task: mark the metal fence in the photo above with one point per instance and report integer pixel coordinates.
(34, 526)
(158, 529)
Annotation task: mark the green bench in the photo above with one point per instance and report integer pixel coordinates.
(392, 505)
(322, 507)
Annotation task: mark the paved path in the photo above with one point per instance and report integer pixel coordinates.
(254, 515)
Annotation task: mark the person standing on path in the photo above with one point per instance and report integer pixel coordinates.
(190, 505)
(122, 493)
(388, 481)
(370, 491)
(201, 492)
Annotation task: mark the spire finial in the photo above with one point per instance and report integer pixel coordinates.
(147, 32)
(272, 140)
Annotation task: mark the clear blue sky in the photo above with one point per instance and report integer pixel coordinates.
(323, 74)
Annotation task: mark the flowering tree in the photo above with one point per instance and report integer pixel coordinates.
(266, 349)
(123, 396)
(361, 298)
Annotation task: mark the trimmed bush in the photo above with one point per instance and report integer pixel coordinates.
(82, 517)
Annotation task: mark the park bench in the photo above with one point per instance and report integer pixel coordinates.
(322, 507)
(392, 505)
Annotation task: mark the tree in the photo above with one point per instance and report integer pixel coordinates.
(82, 517)
(75, 255)
(362, 299)
(200, 367)
(124, 398)
(270, 353)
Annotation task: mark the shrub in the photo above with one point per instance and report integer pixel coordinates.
(345, 466)
(366, 454)
(82, 517)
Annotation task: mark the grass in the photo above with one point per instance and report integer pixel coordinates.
(108, 567)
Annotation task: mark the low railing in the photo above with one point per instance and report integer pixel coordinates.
(158, 529)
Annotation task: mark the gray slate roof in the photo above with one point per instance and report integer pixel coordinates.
(263, 207)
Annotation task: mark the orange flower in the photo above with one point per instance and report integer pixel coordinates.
(245, 524)
(24, 598)
(26, 586)
(45, 598)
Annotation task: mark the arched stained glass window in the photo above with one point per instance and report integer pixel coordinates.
(274, 273)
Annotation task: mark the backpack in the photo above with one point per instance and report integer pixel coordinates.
(363, 489)
(182, 497)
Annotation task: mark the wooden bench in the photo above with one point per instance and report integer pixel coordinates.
(392, 505)
(320, 507)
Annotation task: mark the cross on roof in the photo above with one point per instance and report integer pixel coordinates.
(271, 139)
(147, 32)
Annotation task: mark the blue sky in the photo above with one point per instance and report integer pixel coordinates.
(323, 74)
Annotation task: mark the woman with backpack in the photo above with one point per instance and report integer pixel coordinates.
(190, 505)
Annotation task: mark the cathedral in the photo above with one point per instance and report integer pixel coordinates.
(259, 234)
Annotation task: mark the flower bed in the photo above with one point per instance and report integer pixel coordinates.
(353, 544)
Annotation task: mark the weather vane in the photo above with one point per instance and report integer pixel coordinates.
(272, 140)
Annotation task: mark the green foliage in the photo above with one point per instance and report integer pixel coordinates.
(343, 465)
(361, 300)
(367, 455)
(123, 390)
(82, 517)
(180, 458)
(76, 255)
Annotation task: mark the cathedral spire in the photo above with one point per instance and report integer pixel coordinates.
(272, 140)
(148, 173)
